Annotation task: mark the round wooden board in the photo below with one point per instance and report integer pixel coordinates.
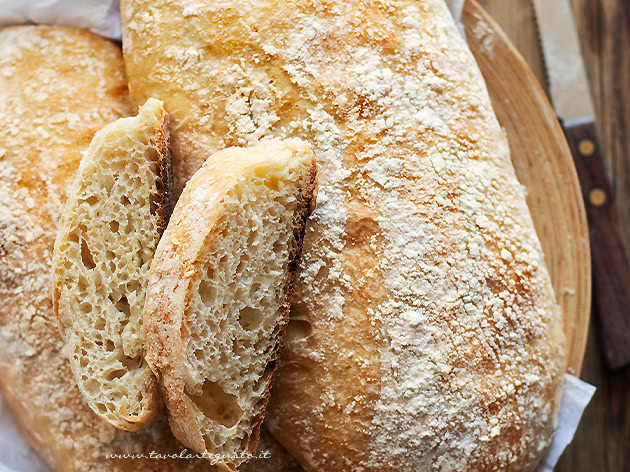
(544, 166)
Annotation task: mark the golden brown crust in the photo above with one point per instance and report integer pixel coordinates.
(421, 236)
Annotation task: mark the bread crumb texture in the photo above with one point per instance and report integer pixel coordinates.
(110, 229)
(424, 333)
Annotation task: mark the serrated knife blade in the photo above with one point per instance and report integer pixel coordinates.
(572, 101)
(568, 83)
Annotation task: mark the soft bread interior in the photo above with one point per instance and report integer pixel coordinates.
(240, 305)
(112, 226)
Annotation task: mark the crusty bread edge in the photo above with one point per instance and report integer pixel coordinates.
(165, 177)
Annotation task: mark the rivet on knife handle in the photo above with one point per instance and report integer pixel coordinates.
(611, 268)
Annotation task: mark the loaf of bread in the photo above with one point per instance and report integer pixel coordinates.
(58, 87)
(218, 301)
(116, 212)
(425, 333)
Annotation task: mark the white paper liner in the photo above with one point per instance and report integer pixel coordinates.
(103, 17)
(99, 16)
(575, 397)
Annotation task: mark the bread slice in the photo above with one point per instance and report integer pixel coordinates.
(118, 208)
(218, 298)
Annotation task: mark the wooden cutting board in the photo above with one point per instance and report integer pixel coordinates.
(544, 166)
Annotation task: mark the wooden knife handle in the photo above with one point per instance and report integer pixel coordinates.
(611, 267)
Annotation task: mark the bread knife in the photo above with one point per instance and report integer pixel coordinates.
(572, 101)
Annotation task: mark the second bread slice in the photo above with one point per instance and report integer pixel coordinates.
(218, 297)
(119, 206)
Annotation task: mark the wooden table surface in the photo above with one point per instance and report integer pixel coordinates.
(602, 443)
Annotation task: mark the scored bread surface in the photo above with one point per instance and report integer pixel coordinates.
(115, 215)
(425, 333)
(218, 297)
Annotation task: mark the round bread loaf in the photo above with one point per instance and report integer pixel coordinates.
(425, 333)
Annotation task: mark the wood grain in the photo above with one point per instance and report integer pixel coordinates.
(544, 165)
(601, 443)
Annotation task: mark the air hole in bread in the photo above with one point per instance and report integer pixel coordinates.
(114, 226)
(151, 154)
(279, 247)
(272, 183)
(93, 200)
(115, 374)
(73, 237)
(133, 286)
(153, 203)
(242, 265)
(250, 318)
(108, 183)
(125, 200)
(252, 238)
(208, 293)
(86, 255)
(123, 306)
(255, 287)
(298, 329)
(218, 405)
(85, 307)
(82, 284)
(129, 227)
(123, 324)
